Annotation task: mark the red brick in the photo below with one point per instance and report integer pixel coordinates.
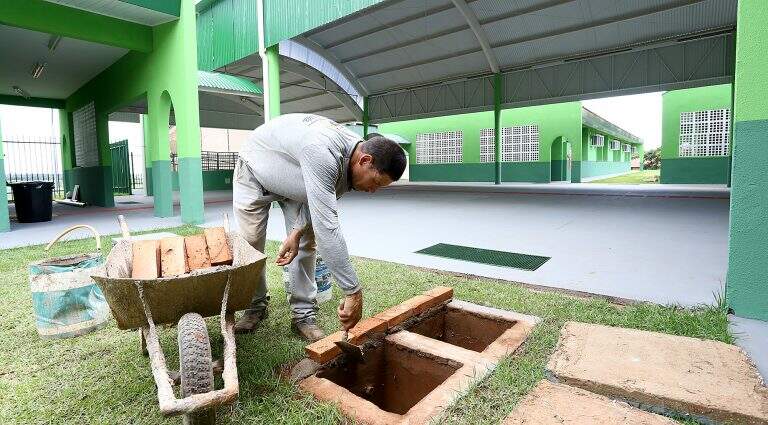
(396, 315)
(366, 329)
(325, 350)
(218, 248)
(173, 260)
(197, 252)
(422, 303)
(440, 293)
(145, 259)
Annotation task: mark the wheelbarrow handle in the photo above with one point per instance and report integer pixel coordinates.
(123, 227)
(95, 232)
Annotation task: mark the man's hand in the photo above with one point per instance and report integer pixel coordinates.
(350, 310)
(289, 248)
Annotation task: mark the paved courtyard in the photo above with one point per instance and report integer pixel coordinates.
(667, 247)
(659, 249)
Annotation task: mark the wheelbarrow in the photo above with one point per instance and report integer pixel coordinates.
(186, 300)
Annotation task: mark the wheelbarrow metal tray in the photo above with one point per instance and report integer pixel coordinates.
(199, 291)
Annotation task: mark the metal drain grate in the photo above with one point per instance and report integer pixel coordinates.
(486, 256)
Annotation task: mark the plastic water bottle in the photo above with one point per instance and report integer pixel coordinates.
(322, 279)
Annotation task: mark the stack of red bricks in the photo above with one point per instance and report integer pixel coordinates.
(174, 256)
(325, 349)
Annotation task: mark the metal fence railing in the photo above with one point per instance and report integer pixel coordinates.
(218, 160)
(33, 158)
(211, 161)
(137, 179)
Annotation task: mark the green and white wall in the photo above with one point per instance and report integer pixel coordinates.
(601, 160)
(558, 124)
(167, 78)
(747, 282)
(678, 169)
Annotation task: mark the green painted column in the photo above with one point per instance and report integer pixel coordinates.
(5, 222)
(498, 93)
(273, 68)
(162, 185)
(187, 114)
(174, 85)
(366, 117)
(747, 282)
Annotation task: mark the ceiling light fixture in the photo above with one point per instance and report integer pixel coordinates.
(21, 92)
(37, 69)
(53, 42)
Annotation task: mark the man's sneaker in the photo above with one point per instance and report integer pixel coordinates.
(308, 329)
(250, 321)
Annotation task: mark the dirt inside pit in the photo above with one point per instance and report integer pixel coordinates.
(393, 377)
(462, 328)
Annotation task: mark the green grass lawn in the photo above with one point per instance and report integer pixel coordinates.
(635, 177)
(102, 378)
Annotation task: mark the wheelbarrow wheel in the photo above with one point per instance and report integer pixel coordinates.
(195, 365)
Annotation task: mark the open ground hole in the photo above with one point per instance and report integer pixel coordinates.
(462, 328)
(393, 377)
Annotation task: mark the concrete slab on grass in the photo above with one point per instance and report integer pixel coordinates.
(752, 336)
(707, 379)
(558, 404)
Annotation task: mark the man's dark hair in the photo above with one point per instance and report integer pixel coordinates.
(388, 156)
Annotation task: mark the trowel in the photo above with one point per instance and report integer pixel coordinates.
(353, 351)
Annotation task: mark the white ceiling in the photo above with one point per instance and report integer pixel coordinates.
(68, 67)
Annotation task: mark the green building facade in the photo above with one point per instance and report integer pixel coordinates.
(537, 145)
(696, 135)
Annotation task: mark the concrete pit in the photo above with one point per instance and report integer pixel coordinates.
(463, 328)
(420, 356)
(393, 377)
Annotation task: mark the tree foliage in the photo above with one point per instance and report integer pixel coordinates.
(652, 159)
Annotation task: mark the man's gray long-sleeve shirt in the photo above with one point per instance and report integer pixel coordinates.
(305, 158)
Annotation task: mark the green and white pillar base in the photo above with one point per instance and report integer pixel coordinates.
(162, 188)
(191, 190)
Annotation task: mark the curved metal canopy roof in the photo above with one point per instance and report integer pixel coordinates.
(225, 101)
(308, 83)
(217, 82)
(401, 45)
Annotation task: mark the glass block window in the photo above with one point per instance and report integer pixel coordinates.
(705, 133)
(597, 140)
(84, 127)
(487, 150)
(439, 148)
(520, 143)
(615, 145)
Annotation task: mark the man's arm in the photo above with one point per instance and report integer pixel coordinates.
(303, 219)
(320, 171)
(290, 246)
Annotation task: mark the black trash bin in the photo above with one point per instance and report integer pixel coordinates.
(33, 201)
